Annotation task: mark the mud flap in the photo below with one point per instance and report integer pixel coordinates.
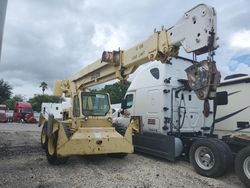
(154, 144)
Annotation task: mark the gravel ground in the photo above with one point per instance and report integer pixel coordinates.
(23, 164)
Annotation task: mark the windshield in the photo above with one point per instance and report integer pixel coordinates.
(95, 104)
(26, 110)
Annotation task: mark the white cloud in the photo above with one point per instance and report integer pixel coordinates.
(242, 68)
(108, 37)
(52, 39)
(240, 39)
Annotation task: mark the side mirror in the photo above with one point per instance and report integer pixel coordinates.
(124, 104)
(221, 98)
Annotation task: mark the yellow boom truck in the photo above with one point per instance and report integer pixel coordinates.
(87, 126)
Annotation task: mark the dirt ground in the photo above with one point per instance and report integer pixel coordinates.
(23, 164)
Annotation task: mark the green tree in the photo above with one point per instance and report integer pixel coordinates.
(37, 101)
(116, 91)
(44, 86)
(5, 91)
(12, 101)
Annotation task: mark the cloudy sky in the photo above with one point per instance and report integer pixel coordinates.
(45, 40)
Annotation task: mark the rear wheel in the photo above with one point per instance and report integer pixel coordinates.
(208, 157)
(228, 152)
(51, 152)
(44, 136)
(242, 165)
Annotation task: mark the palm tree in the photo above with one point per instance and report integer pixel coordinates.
(44, 86)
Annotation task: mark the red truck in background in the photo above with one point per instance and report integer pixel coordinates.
(23, 113)
(3, 114)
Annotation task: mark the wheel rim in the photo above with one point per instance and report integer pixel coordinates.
(204, 158)
(51, 146)
(246, 167)
(43, 136)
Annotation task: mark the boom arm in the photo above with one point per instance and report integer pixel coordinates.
(195, 32)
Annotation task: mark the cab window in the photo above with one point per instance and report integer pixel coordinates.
(155, 73)
(129, 99)
(95, 104)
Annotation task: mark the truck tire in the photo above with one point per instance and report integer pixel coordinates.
(208, 157)
(242, 165)
(121, 129)
(51, 152)
(228, 153)
(44, 136)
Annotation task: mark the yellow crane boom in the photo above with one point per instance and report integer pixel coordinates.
(196, 32)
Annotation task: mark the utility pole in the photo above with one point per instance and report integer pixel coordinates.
(3, 6)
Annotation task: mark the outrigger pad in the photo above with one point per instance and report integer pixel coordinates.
(203, 78)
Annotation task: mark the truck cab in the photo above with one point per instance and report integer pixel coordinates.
(23, 110)
(160, 96)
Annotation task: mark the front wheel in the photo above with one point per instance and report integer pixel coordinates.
(242, 165)
(208, 158)
(51, 151)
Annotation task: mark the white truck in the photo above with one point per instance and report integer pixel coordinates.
(173, 121)
(54, 108)
(59, 111)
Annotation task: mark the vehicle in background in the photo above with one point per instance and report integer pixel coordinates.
(60, 111)
(116, 110)
(36, 115)
(234, 117)
(57, 109)
(3, 114)
(23, 112)
(9, 114)
(232, 121)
